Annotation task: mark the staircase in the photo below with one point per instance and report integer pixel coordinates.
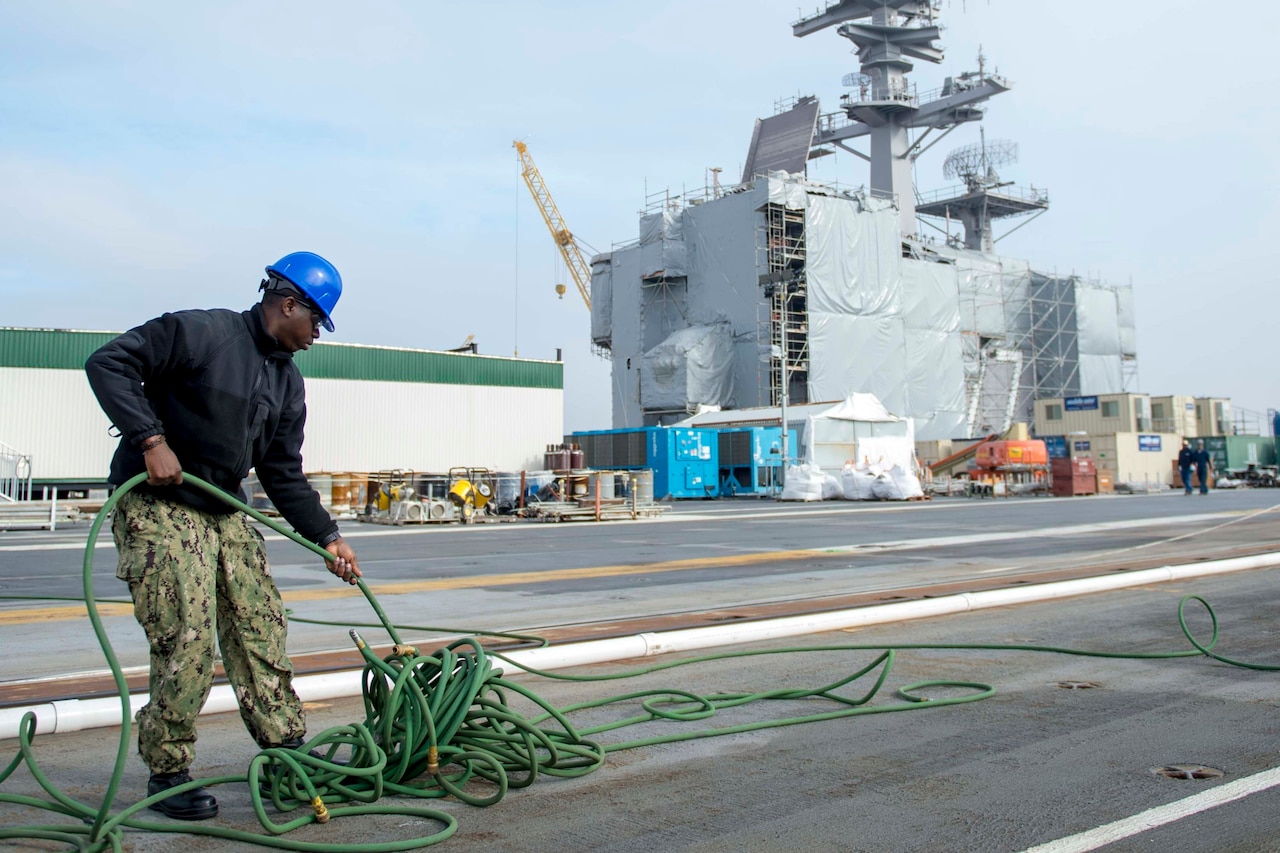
(17, 509)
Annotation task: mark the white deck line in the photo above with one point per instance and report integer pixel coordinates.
(1162, 815)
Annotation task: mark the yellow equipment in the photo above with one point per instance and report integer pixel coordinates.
(393, 487)
(568, 245)
(471, 490)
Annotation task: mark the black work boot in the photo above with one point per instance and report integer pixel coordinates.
(196, 804)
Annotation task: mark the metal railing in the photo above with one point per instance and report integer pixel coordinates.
(15, 475)
(1030, 196)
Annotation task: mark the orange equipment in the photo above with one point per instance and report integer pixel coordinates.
(1011, 454)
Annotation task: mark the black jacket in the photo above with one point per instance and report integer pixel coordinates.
(226, 398)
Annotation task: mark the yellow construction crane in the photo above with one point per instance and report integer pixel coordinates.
(568, 245)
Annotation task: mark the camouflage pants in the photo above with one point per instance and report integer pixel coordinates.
(191, 573)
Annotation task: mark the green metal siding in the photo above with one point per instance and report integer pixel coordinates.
(49, 348)
(63, 349)
(347, 361)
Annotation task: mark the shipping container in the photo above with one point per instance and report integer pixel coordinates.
(1098, 414)
(1237, 452)
(1176, 414)
(1213, 416)
(1132, 457)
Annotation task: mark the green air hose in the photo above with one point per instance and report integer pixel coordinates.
(442, 725)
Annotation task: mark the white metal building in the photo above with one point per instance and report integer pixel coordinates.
(368, 408)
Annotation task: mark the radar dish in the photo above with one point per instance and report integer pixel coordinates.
(976, 163)
(855, 80)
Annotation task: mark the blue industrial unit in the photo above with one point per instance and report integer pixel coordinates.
(685, 462)
(751, 459)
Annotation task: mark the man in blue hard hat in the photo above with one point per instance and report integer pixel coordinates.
(215, 393)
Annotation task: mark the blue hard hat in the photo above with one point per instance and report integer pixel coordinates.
(316, 278)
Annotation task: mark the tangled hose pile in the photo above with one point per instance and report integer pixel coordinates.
(443, 725)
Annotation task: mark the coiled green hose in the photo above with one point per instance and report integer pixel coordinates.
(436, 723)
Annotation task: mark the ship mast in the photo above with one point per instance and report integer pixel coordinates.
(888, 35)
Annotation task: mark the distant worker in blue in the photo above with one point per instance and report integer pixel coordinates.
(1186, 459)
(215, 393)
(1204, 466)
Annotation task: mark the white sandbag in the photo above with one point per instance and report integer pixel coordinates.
(831, 490)
(803, 483)
(856, 483)
(907, 482)
(885, 488)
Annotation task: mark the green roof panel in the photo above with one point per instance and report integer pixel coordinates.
(67, 349)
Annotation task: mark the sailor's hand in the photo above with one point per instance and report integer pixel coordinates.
(344, 565)
(163, 468)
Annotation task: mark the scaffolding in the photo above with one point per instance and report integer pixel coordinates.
(784, 314)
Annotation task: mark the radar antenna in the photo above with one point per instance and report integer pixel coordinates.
(976, 164)
(985, 198)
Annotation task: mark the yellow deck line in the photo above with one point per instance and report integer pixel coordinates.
(77, 611)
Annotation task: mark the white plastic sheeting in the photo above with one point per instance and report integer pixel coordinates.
(881, 324)
(692, 366)
(849, 353)
(858, 431)
(1098, 327)
(854, 259)
(1128, 321)
(930, 296)
(935, 383)
(934, 350)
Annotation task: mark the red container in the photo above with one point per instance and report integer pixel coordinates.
(1073, 477)
(1005, 454)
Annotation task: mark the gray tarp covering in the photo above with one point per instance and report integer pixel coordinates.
(692, 366)
(664, 259)
(949, 336)
(602, 299)
(724, 283)
(665, 225)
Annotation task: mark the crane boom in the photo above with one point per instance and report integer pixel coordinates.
(578, 267)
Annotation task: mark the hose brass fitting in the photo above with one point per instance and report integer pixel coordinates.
(406, 651)
(433, 760)
(322, 813)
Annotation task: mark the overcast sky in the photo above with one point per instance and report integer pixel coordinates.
(156, 155)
